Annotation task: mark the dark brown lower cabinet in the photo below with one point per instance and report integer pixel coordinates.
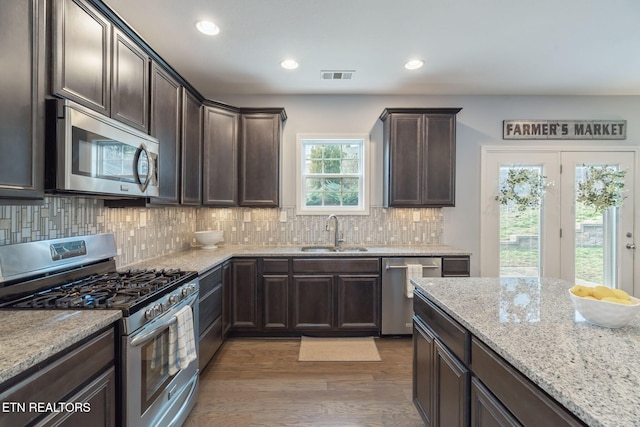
(486, 410)
(296, 296)
(275, 297)
(441, 381)
(210, 315)
(460, 381)
(84, 375)
(313, 302)
(244, 293)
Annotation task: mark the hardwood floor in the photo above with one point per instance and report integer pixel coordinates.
(261, 383)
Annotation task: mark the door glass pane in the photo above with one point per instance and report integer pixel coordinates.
(519, 233)
(595, 242)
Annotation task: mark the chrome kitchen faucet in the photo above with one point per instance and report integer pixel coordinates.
(336, 240)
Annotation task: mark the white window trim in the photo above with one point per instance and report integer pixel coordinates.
(363, 209)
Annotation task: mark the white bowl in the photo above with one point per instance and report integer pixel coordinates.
(209, 239)
(605, 313)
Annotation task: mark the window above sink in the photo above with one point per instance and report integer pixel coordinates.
(332, 174)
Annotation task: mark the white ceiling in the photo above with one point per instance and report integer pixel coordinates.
(470, 47)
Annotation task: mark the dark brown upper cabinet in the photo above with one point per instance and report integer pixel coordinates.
(220, 161)
(259, 149)
(130, 89)
(191, 150)
(81, 55)
(419, 156)
(97, 65)
(22, 85)
(166, 101)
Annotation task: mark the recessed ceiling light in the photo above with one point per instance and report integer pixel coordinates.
(207, 27)
(289, 64)
(414, 64)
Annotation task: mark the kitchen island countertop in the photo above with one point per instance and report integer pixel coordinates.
(593, 371)
(201, 260)
(28, 337)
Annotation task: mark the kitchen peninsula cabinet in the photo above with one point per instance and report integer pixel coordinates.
(220, 156)
(166, 100)
(259, 156)
(97, 65)
(458, 380)
(84, 375)
(419, 156)
(191, 189)
(22, 84)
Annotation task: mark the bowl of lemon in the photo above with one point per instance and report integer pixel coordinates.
(603, 306)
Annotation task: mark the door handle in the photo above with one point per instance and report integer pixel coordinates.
(631, 245)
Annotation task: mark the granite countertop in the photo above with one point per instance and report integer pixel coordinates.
(593, 371)
(28, 337)
(201, 260)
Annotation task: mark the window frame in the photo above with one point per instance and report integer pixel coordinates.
(364, 176)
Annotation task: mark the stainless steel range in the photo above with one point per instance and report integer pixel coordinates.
(80, 273)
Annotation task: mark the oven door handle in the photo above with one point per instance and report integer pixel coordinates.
(146, 336)
(140, 339)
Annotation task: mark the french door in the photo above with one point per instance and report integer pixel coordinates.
(562, 236)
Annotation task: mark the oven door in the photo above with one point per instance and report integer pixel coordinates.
(151, 395)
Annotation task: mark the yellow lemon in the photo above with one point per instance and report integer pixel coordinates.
(601, 292)
(619, 293)
(581, 291)
(590, 297)
(616, 300)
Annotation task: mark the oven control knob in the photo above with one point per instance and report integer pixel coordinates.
(173, 299)
(158, 309)
(185, 292)
(149, 314)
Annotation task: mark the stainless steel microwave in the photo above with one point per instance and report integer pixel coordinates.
(89, 153)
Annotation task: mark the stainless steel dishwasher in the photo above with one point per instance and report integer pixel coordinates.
(397, 309)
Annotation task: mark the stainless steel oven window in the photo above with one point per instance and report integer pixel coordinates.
(154, 368)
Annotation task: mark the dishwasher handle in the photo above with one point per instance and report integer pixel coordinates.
(404, 267)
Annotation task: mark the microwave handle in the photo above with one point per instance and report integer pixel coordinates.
(136, 164)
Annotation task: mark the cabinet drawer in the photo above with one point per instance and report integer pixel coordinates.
(210, 308)
(529, 404)
(454, 336)
(210, 280)
(456, 267)
(336, 265)
(275, 266)
(210, 341)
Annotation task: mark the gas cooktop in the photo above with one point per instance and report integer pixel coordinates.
(111, 290)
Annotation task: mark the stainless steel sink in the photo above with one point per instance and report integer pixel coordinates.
(353, 249)
(332, 249)
(318, 249)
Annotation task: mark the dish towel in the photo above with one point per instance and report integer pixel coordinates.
(182, 343)
(414, 271)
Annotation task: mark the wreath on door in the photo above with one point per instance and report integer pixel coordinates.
(602, 187)
(523, 188)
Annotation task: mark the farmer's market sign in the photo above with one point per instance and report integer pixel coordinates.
(564, 129)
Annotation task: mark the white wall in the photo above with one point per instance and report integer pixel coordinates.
(479, 123)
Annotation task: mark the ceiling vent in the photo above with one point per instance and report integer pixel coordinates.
(337, 74)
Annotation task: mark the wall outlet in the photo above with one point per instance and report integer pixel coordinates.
(416, 217)
(283, 216)
(246, 217)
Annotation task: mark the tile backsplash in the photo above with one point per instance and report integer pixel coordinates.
(282, 227)
(142, 233)
(139, 233)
